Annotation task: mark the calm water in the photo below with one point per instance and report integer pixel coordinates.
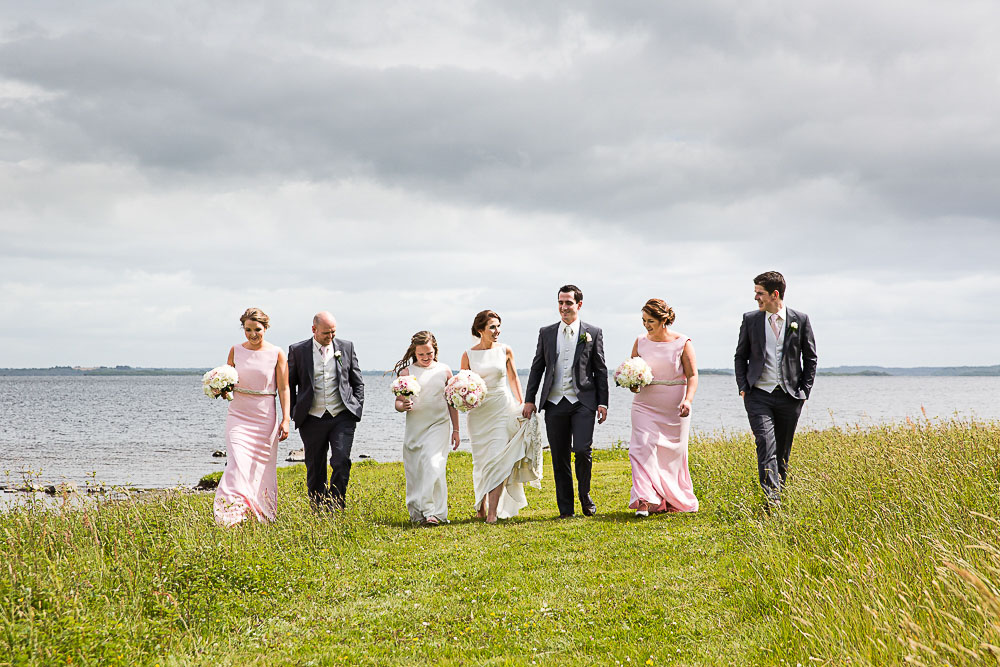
(161, 431)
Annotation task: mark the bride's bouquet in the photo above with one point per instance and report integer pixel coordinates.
(406, 386)
(633, 373)
(464, 391)
(220, 382)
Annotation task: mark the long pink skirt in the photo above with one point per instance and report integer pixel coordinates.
(658, 451)
(249, 485)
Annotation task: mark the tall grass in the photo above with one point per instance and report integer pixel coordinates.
(888, 549)
(885, 551)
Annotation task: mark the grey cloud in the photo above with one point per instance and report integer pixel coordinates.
(715, 106)
(851, 145)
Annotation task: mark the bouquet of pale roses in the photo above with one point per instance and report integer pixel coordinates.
(464, 391)
(406, 386)
(634, 372)
(220, 382)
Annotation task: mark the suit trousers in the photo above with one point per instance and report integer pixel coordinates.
(570, 430)
(336, 434)
(773, 417)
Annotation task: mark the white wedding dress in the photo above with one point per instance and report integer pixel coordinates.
(426, 443)
(506, 448)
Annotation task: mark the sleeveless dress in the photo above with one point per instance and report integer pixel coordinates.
(658, 448)
(426, 443)
(506, 448)
(249, 484)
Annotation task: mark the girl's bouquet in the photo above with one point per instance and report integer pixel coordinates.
(633, 373)
(465, 391)
(220, 382)
(406, 386)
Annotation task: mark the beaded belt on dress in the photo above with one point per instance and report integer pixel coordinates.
(669, 382)
(253, 392)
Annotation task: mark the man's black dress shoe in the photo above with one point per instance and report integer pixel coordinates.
(565, 516)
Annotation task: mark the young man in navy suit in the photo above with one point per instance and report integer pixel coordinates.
(570, 370)
(775, 368)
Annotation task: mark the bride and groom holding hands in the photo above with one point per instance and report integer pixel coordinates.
(570, 371)
(568, 382)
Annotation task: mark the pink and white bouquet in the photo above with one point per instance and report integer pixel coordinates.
(406, 386)
(634, 372)
(220, 382)
(464, 391)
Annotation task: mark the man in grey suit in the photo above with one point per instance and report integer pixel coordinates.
(570, 356)
(775, 368)
(327, 396)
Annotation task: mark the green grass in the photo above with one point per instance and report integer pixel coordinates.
(885, 551)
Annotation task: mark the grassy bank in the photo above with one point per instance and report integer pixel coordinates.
(886, 550)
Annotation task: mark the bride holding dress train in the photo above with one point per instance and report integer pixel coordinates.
(506, 448)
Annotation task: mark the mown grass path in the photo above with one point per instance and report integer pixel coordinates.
(885, 551)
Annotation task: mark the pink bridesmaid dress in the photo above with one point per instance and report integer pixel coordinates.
(658, 449)
(249, 484)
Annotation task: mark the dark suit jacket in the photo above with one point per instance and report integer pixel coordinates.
(300, 378)
(798, 360)
(590, 373)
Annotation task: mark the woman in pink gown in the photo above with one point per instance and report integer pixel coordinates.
(249, 484)
(661, 417)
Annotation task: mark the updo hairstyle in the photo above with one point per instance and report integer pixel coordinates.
(659, 310)
(257, 315)
(482, 319)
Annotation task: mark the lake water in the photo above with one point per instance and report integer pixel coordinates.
(161, 431)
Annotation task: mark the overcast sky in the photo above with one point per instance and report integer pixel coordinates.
(165, 165)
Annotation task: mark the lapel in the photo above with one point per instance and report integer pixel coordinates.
(789, 332)
(761, 328)
(579, 344)
(335, 347)
(551, 343)
(306, 363)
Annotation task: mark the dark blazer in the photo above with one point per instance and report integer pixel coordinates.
(590, 373)
(300, 378)
(798, 360)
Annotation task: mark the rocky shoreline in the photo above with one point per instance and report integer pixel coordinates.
(206, 483)
(69, 489)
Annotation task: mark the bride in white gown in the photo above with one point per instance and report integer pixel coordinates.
(506, 448)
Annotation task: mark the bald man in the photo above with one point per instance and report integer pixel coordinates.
(327, 395)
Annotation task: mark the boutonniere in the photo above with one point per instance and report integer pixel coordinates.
(794, 326)
(585, 337)
(336, 355)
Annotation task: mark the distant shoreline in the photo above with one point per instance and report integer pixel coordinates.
(860, 371)
(78, 371)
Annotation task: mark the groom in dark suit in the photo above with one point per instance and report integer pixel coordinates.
(327, 395)
(570, 356)
(775, 368)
